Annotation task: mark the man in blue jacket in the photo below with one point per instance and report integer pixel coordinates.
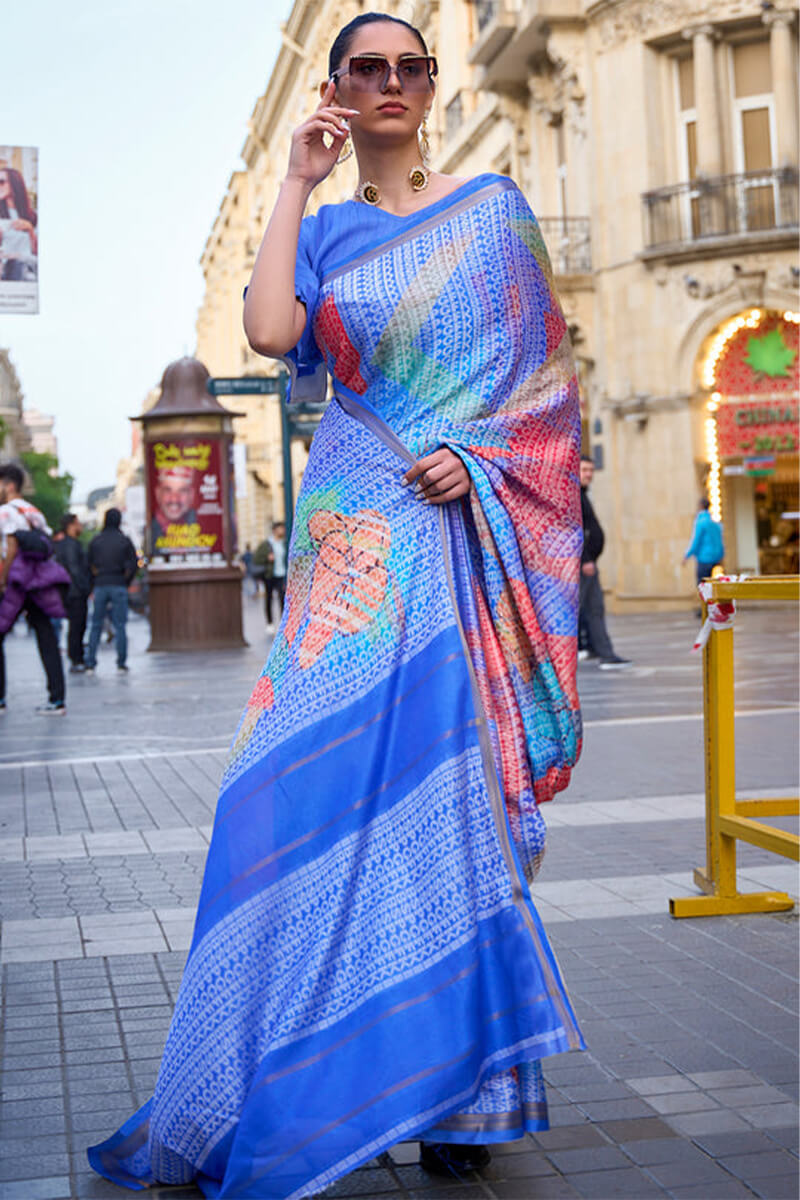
(706, 545)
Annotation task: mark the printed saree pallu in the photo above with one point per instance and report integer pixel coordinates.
(367, 965)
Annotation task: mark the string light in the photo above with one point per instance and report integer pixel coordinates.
(719, 342)
(792, 317)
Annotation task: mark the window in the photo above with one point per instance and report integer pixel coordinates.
(687, 135)
(754, 134)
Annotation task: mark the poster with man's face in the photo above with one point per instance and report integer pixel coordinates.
(19, 229)
(186, 509)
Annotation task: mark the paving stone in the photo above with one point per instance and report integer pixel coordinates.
(569, 1137)
(770, 1116)
(759, 1166)
(658, 1085)
(53, 1188)
(606, 1185)
(695, 1124)
(637, 1129)
(682, 1102)
(595, 1158)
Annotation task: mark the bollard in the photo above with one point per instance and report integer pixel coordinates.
(729, 819)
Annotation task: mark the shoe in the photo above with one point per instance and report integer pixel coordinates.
(77, 669)
(88, 670)
(442, 1158)
(614, 663)
(3, 708)
(53, 708)
(122, 668)
(585, 655)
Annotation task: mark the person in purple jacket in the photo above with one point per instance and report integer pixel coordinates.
(32, 584)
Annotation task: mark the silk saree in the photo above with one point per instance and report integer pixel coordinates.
(367, 964)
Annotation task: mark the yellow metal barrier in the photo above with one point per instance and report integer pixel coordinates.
(726, 817)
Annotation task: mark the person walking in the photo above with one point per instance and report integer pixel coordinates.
(275, 581)
(707, 545)
(113, 563)
(30, 581)
(70, 552)
(592, 605)
(367, 964)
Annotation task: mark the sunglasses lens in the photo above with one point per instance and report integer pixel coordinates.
(371, 74)
(367, 74)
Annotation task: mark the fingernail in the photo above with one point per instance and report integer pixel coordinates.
(403, 482)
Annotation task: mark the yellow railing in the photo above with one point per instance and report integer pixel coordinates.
(726, 817)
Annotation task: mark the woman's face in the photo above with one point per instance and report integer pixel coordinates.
(5, 186)
(395, 111)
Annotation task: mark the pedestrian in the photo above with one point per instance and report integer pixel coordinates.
(275, 581)
(592, 605)
(250, 582)
(707, 545)
(367, 964)
(113, 563)
(69, 551)
(30, 581)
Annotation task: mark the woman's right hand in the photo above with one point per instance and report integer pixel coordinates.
(310, 160)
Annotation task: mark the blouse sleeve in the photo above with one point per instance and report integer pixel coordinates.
(305, 362)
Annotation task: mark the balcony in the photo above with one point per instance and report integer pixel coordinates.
(721, 212)
(569, 243)
(512, 38)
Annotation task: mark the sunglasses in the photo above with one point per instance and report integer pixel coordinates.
(371, 72)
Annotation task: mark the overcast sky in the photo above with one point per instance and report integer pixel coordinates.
(139, 109)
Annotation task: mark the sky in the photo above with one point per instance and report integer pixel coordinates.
(140, 110)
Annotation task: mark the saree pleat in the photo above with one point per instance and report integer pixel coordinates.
(367, 964)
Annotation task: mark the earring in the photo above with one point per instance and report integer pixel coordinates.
(424, 141)
(346, 150)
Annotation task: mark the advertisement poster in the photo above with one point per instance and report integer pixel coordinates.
(186, 503)
(19, 229)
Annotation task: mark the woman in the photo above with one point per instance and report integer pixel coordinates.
(367, 965)
(18, 243)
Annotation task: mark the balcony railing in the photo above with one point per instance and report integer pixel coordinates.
(569, 243)
(724, 206)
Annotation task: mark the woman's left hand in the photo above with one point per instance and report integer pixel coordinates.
(442, 476)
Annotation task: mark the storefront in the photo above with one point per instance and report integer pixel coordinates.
(750, 370)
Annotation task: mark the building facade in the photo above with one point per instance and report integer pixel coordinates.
(14, 436)
(657, 141)
(41, 428)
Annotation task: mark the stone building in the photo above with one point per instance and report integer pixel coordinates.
(657, 142)
(14, 436)
(41, 428)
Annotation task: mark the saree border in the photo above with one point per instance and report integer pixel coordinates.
(495, 188)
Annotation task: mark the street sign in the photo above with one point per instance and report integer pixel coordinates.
(246, 385)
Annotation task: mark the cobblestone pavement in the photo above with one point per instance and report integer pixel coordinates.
(689, 1087)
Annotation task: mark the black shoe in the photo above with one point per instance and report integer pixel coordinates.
(122, 668)
(3, 708)
(443, 1158)
(613, 663)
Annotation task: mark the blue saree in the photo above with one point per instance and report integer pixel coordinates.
(367, 964)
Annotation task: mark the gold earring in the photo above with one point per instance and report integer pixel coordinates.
(346, 150)
(424, 141)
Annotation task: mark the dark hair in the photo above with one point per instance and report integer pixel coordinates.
(587, 458)
(66, 521)
(14, 473)
(705, 503)
(20, 193)
(113, 519)
(344, 37)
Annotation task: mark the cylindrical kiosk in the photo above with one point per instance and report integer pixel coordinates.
(195, 588)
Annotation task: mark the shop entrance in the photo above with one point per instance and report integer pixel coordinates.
(750, 370)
